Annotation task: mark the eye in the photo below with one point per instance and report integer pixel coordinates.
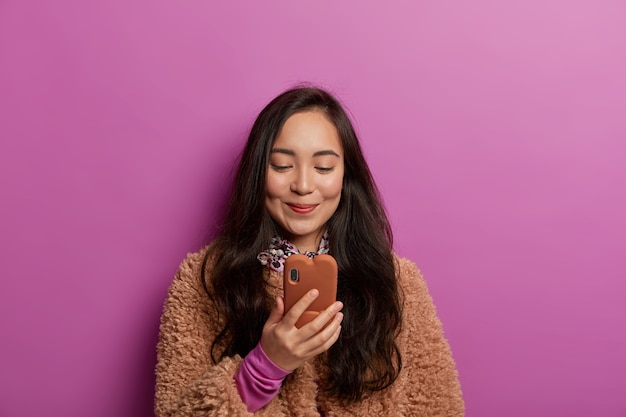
(324, 170)
(280, 168)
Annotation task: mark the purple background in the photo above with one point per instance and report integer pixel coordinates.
(495, 130)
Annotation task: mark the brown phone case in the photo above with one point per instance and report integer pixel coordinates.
(302, 274)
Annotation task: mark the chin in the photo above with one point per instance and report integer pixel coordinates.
(300, 232)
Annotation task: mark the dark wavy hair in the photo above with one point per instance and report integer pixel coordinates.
(365, 358)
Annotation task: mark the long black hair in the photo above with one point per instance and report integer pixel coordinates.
(366, 357)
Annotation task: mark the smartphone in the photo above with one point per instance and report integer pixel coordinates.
(301, 275)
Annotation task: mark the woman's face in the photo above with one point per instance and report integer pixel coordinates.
(304, 178)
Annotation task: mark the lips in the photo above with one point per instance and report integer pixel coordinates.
(302, 208)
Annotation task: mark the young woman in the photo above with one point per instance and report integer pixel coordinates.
(228, 348)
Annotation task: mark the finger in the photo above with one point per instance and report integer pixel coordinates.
(324, 317)
(300, 307)
(323, 326)
(324, 339)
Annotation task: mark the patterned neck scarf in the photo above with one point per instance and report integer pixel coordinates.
(274, 257)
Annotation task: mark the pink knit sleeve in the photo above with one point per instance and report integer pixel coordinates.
(258, 379)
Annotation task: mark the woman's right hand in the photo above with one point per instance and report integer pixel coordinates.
(290, 347)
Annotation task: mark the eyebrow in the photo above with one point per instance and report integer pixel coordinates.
(318, 153)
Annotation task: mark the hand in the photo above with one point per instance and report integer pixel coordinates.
(289, 347)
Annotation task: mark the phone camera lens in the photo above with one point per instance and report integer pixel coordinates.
(294, 276)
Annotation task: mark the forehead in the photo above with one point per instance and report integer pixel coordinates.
(308, 130)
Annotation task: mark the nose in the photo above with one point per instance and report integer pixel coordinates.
(303, 182)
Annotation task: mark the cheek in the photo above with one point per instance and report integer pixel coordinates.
(332, 188)
(274, 187)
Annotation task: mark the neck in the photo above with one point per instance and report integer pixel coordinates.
(310, 245)
(306, 243)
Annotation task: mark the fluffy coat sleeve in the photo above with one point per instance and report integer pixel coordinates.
(434, 388)
(188, 383)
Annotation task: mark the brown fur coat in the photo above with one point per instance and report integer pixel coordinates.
(190, 385)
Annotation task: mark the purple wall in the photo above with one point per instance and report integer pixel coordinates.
(496, 131)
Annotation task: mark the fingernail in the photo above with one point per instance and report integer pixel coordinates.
(313, 293)
(338, 306)
(339, 317)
